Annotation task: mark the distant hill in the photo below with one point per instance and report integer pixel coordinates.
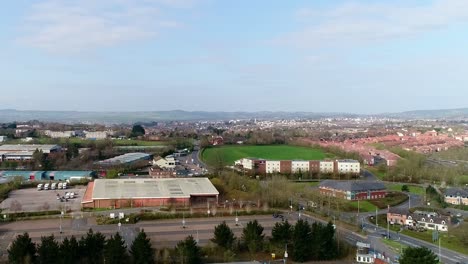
(460, 113)
(10, 115)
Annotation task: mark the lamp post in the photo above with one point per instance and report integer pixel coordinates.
(286, 253)
(237, 219)
(183, 220)
(61, 216)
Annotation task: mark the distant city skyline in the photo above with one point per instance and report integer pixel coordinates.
(360, 57)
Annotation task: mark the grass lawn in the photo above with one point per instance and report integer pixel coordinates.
(462, 180)
(229, 154)
(307, 184)
(394, 245)
(379, 174)
(454, 242)
(364, 206)
(414, 189)
(392, 199)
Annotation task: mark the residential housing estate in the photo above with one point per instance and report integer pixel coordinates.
(263, 166)
(457, 196)
(426, 220)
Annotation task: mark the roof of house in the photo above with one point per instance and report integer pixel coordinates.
(400, 211)
(457, 191)
(152, 188)
(352, 185)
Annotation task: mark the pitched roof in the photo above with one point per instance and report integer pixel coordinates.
(353, 185)
(457, 191)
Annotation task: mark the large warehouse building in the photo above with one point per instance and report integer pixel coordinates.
(118, 193)
(24, 152)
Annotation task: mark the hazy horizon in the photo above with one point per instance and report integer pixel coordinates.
(357, 57)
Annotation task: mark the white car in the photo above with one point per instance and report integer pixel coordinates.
(53, 186)
(46, 186)
(60, 185)
(40, 186)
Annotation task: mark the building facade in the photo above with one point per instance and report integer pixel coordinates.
(262, 166)
(353, 190)
(457, 196)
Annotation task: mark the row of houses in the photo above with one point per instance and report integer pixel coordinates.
(263, 166)
(418, 219)
(456, 196)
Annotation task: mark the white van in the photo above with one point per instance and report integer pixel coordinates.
(53, 186)
(46, 186)
(59, 185)
(64, 185)
(40, 186)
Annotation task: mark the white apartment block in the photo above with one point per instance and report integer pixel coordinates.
(246, 163)
(168, 162)
(59, 134)
(326, 166)
(348, 166)
(299, 166)
(97, 134)
(273, 166)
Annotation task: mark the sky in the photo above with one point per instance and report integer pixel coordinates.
(247, 55)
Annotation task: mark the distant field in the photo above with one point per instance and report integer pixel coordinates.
(228, 154)
(117, 142)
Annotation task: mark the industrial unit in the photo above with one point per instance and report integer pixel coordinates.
(118, 193)
(125, 159)
(24, 152)
(353, 190)
(49, 175)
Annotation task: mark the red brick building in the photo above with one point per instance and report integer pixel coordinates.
(118, 193)
(353, 190)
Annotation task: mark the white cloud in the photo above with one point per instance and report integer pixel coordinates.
(358, 22)
(62, 26)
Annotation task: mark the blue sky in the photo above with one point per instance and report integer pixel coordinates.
(318, 56)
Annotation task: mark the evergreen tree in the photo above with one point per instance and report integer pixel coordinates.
(316, 241)
(420, 255)
(328, 248)
(48, 250)
(115, 250)
(22, 250)
(188, 251)
(301, 238)
(92, 247)
(252, 236)
(141, 250)
(69, 251)
(282, 233)
(223, 236)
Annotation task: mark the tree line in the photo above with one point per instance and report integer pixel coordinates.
(304, 242)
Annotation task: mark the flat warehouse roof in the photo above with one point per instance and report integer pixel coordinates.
(152, 188)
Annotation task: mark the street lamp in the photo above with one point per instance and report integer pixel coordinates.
(286, 254)
(237, 219)
(61, 216)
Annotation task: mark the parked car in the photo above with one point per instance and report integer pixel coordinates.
(64, 185)
(53, 186)
(46, 186)
(60, 186)
(40, 186)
